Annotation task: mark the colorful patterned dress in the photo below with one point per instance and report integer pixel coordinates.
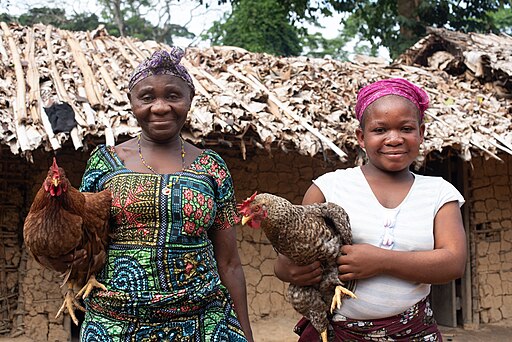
(162, 279)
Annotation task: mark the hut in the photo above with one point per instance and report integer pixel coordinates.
(278, 123)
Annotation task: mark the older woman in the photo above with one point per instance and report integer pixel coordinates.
(173, 272)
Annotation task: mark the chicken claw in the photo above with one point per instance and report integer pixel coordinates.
(91, 284)
(70, 303)
(336, 299)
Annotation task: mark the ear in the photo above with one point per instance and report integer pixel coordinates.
(422, 132)
(360, 136)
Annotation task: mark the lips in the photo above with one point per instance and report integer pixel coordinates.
(393, 152)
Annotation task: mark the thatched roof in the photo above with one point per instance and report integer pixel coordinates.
(242, 98)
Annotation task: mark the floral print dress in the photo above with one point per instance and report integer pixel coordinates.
(161, 275)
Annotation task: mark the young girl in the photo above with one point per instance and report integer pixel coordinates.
(407, 228)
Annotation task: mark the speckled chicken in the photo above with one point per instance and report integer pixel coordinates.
(305, 233)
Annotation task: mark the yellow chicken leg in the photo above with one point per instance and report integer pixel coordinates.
(336, 299)
(91, 284)
(70, 303)
(323, 334)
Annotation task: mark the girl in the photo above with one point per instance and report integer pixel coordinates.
(407, 228)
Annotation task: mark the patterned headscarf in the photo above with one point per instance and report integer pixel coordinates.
(162, 63)
(394, 86)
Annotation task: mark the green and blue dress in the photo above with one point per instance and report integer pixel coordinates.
(161, 275)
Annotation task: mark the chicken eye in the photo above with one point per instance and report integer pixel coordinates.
(257, 208)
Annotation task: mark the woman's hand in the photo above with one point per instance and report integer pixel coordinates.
(360, 261)
(62, 264)
(289, 272)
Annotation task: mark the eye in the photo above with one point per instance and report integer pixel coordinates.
(257, 208)
(407, 129)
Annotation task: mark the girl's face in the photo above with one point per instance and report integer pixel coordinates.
(391, 133)
(160, 104)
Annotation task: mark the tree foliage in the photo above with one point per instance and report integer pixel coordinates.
(258, 26)
(398, 24)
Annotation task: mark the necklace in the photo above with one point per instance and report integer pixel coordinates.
(169, 186)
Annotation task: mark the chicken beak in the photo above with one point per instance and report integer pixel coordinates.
(245, 219)
(55, 181)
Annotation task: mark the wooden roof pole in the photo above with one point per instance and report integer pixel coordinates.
(105, 74)
(20, 112)
(253, 82)
(471, 141)
(91, 89)
(33, 79)
(35, 100)
(61, 89)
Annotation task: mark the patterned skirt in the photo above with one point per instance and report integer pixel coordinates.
(214, 322)
(416, 324)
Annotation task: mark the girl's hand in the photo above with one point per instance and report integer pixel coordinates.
(360, 261)
(289, 272)
(62, 264)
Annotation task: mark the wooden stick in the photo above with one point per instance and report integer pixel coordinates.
(95, 100)
(20, 113)
(105, 74)
(253, 82)
(471, 140)
(34, 95)
(62, 94)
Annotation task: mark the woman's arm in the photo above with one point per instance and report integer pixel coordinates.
(443, 264)
(289, 272)
(232, 274)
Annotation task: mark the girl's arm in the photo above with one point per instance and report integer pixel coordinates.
(443, 264)
(232, 274)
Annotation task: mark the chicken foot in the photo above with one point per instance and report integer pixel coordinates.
(338, 293)
(70, 303)
(91, 284)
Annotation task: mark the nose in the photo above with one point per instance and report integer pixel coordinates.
(394, 138)
(160, 106)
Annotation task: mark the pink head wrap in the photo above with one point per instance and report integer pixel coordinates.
(394, 86)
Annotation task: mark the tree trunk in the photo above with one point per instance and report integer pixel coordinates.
(407, 9)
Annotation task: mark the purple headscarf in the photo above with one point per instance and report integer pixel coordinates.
(394, 86)
(162, 63)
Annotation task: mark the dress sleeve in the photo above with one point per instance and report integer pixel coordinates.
(227, 214)
(98, 165)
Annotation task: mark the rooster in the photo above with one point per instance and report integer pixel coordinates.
(62, 220)
(304, 234)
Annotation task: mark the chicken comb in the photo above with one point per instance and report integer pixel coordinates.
(55, 167)
(245, 203)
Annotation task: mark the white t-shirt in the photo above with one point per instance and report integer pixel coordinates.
(408, 227)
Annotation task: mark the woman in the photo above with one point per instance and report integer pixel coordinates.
(407, 228)
(173, 272)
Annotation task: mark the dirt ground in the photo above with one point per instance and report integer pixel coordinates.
(279, 329)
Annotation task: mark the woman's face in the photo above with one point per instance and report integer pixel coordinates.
(391, 133)
(160, 104)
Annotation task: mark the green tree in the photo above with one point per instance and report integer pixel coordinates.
(395, 24)
(44, 15)
(398, 24)
(258, 26)
(130, 19)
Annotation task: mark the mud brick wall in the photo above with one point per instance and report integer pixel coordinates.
(491, 228)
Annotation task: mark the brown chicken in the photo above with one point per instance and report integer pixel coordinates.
(305, 233)
(62, 220)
